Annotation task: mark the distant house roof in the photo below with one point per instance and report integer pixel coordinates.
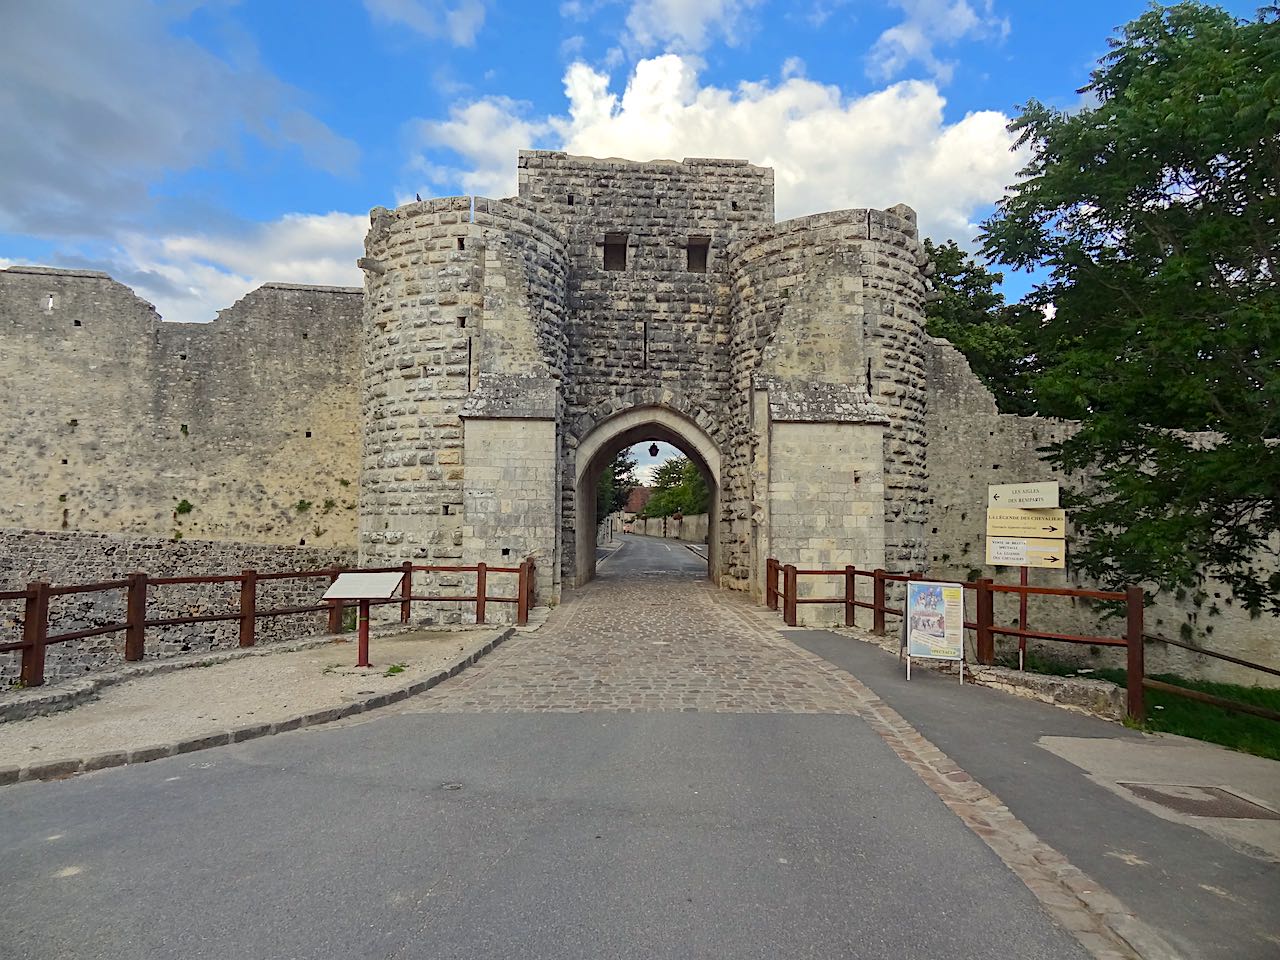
(639, 497)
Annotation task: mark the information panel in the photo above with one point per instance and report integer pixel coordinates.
(935, 620)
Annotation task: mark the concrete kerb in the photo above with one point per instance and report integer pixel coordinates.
(67, 767)
(54, 697)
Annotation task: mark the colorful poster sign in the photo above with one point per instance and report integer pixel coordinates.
(935, 620)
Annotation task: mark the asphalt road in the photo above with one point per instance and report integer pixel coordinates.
(527, 835)
(651, 557)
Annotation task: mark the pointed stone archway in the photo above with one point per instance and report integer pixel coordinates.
(619, 431)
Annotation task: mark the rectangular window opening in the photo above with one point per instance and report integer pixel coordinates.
(615, 251)
(76, 323)
(462, 243)
(445, 509)
(698, 251)
(308, 434)
(571, 199)
(462, 323)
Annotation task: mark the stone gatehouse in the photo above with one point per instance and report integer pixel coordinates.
(514, 346)
(461, 406)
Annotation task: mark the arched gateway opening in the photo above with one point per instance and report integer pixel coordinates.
(598, 448)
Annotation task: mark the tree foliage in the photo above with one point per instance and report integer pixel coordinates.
(993, 335)
(1156, 210)
(678, 488)
(616, 483)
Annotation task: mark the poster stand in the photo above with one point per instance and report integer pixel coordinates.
(933, 623)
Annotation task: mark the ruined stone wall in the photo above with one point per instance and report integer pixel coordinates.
(110, 418)
(69, 558)
(655, 332)
(971, 445)
(836, 299)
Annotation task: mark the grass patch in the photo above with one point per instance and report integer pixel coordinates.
(395, 668)
(1170, 713)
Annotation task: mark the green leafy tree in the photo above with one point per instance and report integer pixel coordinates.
(678, 487)
(1155, 210)
(993, 335)
(616, 483)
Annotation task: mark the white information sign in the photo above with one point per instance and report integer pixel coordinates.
(1033, 495)
(934, 622)
(364, 586)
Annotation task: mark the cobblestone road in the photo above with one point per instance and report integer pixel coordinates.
(648, 634)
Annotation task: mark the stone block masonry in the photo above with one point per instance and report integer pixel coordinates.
(246, 428)
(69, 558)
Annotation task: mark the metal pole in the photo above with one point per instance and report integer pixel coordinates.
(363, 644)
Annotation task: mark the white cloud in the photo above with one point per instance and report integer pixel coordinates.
(926, 25)
(100, 101)
(686, 26)
(828, 150)
(459, 22)
(190, 276)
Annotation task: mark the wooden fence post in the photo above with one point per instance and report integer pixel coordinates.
(335, 607)
(482, 585)
(248, 606)
(877, 602)
(789, 600)
(771, 583)
(985, 618)
(406, 591)
(136, 617)
(850, 581)
(1136, 659)
(522, 594)
(35, 628)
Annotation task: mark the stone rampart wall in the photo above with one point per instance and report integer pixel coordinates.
(971, 445)
(64, 559)
(111, 418)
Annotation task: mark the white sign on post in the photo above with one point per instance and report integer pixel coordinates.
(1026, 552)
(1038, 496)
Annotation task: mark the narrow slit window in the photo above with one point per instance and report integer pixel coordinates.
(571, 199)
(462, 243)
(698, 251)
(462, 323)
(615, 251)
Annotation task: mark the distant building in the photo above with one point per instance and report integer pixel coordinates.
(638, 500)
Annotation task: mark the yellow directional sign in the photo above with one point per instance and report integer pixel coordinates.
(1026, 552)
(1030, 495)
(1045, 524)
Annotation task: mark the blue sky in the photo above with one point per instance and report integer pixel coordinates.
(195, 150)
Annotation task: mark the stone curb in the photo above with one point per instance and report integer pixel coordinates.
(61, 769)
(1094, 916)
(55, 697)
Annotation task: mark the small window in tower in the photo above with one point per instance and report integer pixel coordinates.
(462, 243)
(182, 356)
(462, 323)
(571, 199)
(64, 461)
(308, 434)
(76, 323)
(304, 336)
(615, 251)
(445, 510)
(698, 249)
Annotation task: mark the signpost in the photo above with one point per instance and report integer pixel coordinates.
(934, 622)
(1025, 528)
(1038, 496)
(364, 587)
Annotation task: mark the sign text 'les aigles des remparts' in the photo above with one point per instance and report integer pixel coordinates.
(1025, 526)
